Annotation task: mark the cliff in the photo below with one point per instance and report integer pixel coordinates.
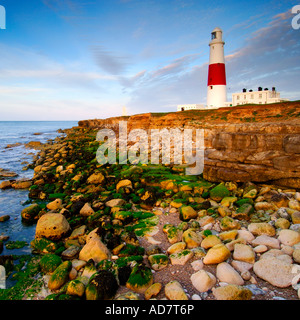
(259, 143)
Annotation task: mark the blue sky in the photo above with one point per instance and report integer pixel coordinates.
(86, 59)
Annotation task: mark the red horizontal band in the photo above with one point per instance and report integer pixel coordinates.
(216, 74)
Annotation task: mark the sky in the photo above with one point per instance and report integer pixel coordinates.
(87, 59)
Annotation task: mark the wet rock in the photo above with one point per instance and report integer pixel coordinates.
(192, 238)
(55, 205)
(102, 286)
(5, 185)
(181, 257)
(4, 218)
(22, 184)
(86, 210)
(70, 253)
(187, 213)
(49, 263)
(53, 226)
(210, 241)
(31, 212)
(60, 276)
(75, 288)
(140, 279)
(94, 249)
(158, 261)
(219, 192)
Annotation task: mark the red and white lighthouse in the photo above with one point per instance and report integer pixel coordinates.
(216, 84)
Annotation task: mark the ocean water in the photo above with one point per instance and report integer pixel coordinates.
(15, 159)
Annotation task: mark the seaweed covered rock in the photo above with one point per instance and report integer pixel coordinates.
(158, 261)
(102, 286)
(140, 279)
(49, 263)
(187, 213)
(60, 276)
(219, 192)
(75, 288)
(30, 213)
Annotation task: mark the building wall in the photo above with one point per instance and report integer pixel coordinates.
(184, 107)
(256, 97)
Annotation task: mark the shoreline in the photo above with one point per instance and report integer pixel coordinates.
(127, 217)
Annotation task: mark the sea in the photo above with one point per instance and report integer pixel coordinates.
(16, 159)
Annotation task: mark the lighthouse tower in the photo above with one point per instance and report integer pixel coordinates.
(216, 84)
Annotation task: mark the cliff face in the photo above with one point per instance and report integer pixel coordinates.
(249, 143)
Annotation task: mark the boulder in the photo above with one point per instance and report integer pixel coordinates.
(219, 192)
(261, 228)
(49, 263)
(30, 213)
(226, 273)
(140, 279)
(176, 247)
(232, 292)
(96, 178)
(158, 261)
(5, 185)
(228, 223)
(53, 226)
(86, 210)
(75, 288)
(192, 238)
(276, 271)
(60, 276)
(243, 252)
(153, 290)
(289, 237)
(102, 286)
(187, 213)
(203, 280)
(94, 249)
(210, 241)
(181, 257)
(216, 254)
(174, 291)
(270, 242)
(55, 205)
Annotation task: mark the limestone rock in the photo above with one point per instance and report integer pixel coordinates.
(140, 279)
(275, 271)
(192, 238)
(94, 249)
(96, 178)
(55, 205)
(153, 290)
(176, 247)
(270, 242)
(210, 241)
(261, 228)
(216, 254)
(53, 226)
(289, 237)
(115, 203)
(243, 252)
(174, 291)
(187, 213)
(158, 261)
(86, 210)
(181, 257)
(60, 276)
(226, 273)
(232, 292)
(203, 280)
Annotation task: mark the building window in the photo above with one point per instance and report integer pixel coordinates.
(213, 35)
(237, 97)
(260, 96)
(245, 97)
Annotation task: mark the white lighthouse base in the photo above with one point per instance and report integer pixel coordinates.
(216, 96)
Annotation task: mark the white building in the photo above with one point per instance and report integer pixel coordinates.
(184, 107)
(261, 96)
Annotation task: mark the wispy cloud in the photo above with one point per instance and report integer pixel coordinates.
(108, 61)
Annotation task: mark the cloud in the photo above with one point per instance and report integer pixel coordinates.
(269, 57)
(108, 61)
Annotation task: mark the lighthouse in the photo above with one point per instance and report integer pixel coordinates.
(216, 84)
